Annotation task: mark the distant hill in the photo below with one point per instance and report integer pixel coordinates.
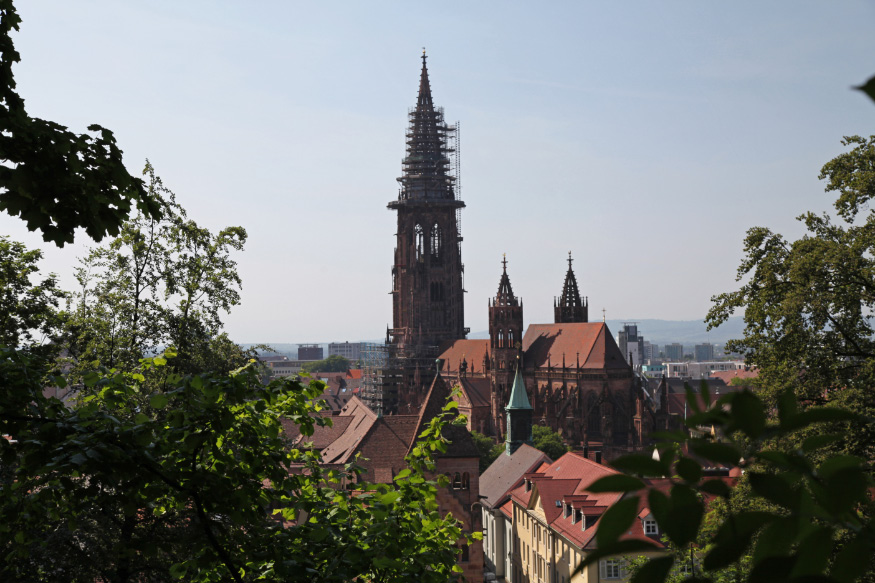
(687, 332)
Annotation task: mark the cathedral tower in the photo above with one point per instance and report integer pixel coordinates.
(505, 342)
(427, 294)
(569, 307)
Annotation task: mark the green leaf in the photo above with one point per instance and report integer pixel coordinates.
(159, 361)
(816, 442)
(616, 483)
(390, 497)
(813, 553)
(748, 414)
(734, 537)
(847, 566)
(640, 464)
(140, 418)
(714, 451)
(660, 506)
(655, 570)
(689, 470)
(717, 487)
(776, 539)
(158, 401)
(685, 513)
(774, 488)
(820, 415)
(838, 463)
(616, 521)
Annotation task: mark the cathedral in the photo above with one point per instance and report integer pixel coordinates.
(577, 380)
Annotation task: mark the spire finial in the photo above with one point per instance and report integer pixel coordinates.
(424, 56)
(569, 260)
(603, 315)
(504, 261)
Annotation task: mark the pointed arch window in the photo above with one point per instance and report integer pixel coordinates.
(418, 241)
(436, 243)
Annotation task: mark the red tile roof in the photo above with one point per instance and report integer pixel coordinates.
(589, 342)
(472, 351)
(478, 391)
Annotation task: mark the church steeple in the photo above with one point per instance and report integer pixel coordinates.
(427, 293)
(569, 307)
(519, 415)
(505, 342)
(426, 168)
(505, 296)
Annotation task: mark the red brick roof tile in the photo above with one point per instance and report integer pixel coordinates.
(590, 342)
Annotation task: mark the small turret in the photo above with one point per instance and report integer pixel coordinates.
(519, 415)
(569, 307)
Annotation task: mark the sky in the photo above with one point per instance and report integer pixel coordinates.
(643, 137)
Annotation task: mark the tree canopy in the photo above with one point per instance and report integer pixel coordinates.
(54, 179)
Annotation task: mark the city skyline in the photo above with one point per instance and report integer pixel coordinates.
(644, 140)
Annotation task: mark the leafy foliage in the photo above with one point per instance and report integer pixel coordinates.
(52, 178)
(26, 307)
(487, 448)
(161, 282)
(191, 478)
(548, 441)
(817, 519)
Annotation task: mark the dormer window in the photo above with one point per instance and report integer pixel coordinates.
(567, 512)
(528, 485)
(650, 527)
(583, 523)
(578, 516)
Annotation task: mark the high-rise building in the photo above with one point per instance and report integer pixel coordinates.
(351, 351)
(703, 352)
(631, 344)
(310, 352)
(674, 352)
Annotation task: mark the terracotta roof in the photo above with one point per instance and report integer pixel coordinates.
(566, 479)
(506, 473)
(341, 450)
(460, 442)
(354, 373)
(477, 391)
(591, 342)
(472, 351)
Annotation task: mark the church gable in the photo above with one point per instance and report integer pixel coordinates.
(588, 343)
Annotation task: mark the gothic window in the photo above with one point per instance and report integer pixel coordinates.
(436, 243)
(466, 481)
(457, 481)
(418, 241)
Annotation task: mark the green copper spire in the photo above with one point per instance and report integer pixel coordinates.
(519, 415)
(518, 397)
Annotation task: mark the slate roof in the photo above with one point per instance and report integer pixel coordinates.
(591, 342)
(506, 473)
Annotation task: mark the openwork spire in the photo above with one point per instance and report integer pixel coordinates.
(426, 168)
(505, 296)
(570, 307)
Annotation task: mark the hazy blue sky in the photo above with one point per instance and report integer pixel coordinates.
(645, 137)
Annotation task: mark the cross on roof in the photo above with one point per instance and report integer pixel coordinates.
(569, 260)
(504, 261)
